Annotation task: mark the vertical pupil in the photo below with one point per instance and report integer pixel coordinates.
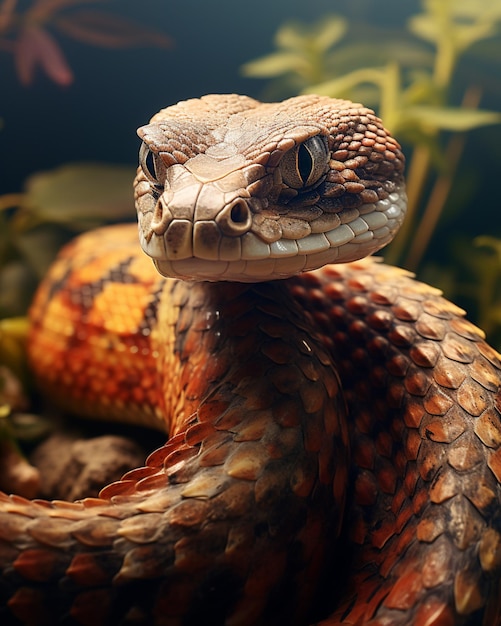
(150, 164)
(304, 163)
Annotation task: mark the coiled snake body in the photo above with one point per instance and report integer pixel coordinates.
(334, 447)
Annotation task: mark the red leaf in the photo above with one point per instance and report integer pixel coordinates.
(109, 31)
(6, 14)
(35, 47)
(43, 10)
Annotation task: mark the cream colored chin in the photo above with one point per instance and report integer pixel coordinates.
(370, 228)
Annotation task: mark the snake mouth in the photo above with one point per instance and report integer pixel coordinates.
(204, 251)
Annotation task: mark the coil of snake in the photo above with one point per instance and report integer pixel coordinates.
(334, 450)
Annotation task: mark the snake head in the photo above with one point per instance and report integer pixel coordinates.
(229, 188)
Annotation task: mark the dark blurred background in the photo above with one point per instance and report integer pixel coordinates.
(114, 91)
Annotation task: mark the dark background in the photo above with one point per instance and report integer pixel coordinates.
(115, 91)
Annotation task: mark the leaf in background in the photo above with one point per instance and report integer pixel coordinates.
(6, 14)
(362, 52)
(451, 118)
(43, 10)
(329, 32)
(492, 243)
(425, 27)
(35, 47)
(321, 35)
(109, 31)
(462, 25)
(342, 86)
(82, 195)
(290, 36)
(17, 285)
(465, 35)
(38, 247)
(275, 64)
(487, 10)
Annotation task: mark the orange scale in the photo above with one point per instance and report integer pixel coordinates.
(437, 564)
(384, 444)
(403, 517)
(410, 480)
(414, 413)
(112, 307)
(366, 490)
(398, 501)
(374, 604)
(144, 270)
(473, 398)
(137, 394)
(387, 479)
(384, 533)
(413, 445)
(406, 311)
(26, 603)
(93, 271)
(37, 564)
(434, 612)
(84, 570)
(405, 592)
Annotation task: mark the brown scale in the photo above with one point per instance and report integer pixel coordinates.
(425, 503)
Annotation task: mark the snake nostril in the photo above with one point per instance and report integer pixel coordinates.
(239, 212)
(235, 219)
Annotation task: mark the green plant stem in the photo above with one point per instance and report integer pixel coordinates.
(446, 54)
(440, 191)
(390, 89)
(434, 206)
(416, 178)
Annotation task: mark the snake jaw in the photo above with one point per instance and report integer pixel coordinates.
(259, 198)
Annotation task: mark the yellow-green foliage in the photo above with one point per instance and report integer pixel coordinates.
(408, 75)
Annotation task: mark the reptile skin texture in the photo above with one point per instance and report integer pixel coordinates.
(334, 438)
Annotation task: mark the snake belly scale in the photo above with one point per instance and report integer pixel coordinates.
(334, 437)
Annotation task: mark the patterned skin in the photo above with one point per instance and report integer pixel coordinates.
(334, 450)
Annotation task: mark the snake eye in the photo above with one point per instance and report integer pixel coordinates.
(150, 165)
(305, 163)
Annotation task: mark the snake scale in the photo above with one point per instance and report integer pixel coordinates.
(334, 450)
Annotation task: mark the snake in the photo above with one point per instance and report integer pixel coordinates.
(333, 438)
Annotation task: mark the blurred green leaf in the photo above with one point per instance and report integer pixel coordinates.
(38, 246)
(462, 24)
(13, 334)
(451, 118)
(17, 284)
(465, 35)
(487, 10)
(492, 243)
(275, 64)
(321, 35)
(82, 195)
(329, 32)
(342, 85)
(424, 26)
(303, 51)
(290, 36)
